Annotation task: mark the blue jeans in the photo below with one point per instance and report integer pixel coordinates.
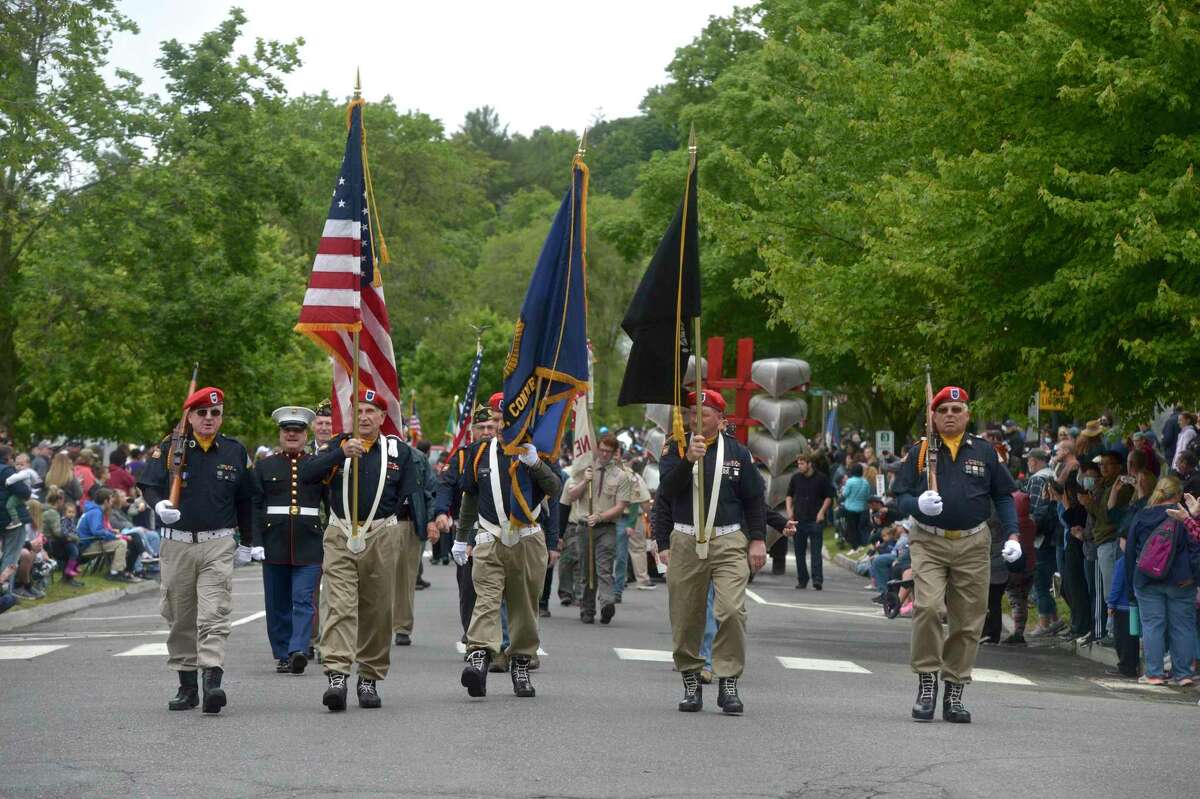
(1106, 562)
(710, 629)
(288, 595)
(621, 557)
(809, 536)
(881, 570)
(1168, 615)
(503, 626)
(1043, 579)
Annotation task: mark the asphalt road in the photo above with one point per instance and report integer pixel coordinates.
(89, 718)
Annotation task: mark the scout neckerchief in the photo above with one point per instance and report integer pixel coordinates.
(702, 547)
(498, 498)
(359, 543)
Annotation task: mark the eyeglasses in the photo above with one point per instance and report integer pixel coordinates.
(942, 410)
(208, 412)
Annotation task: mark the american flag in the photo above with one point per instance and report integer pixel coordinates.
(345, 293)
(414, 424)
(468, 403)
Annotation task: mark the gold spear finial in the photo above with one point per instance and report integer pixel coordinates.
(582, 149)
(692, 145)
(357, 83)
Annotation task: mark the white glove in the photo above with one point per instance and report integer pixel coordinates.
(529, 455)
(242, 557)
(166, 512)
(459, 552)
(258, 553)
(1011, 552)
(930, 503)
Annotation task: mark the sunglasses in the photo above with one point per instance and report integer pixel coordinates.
(208, 412)
(942, 410)
(293, 428)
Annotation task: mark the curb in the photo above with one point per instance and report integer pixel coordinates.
(15, 619)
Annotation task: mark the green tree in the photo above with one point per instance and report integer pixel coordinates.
(63, 127)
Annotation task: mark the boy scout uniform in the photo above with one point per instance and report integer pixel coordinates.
(356, 601)
(596, 546)
(737, 518)
(509, 559)
(570, 572)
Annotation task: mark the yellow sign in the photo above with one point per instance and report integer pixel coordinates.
(1057, 399)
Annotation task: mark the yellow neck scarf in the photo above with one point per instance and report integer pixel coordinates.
(953, 444)
(205, 441)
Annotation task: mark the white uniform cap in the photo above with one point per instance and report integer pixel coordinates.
(292, 415)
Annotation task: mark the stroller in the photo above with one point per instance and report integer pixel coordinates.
(891, 597)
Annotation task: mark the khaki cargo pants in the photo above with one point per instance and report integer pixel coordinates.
(196, 599)
(356, 602)
(515, 575)
(953, 574)
(687, 585)
(409, 548)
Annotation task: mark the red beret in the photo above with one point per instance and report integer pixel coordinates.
(950, 394)
(374, 397)
(496, 400)
(712, 398)
(204, 398)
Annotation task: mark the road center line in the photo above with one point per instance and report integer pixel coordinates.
(863, 614)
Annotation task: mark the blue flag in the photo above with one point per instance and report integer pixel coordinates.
(548, 362)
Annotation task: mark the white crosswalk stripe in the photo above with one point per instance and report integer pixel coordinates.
(1003, 677)
(814, 664)
(145, 650)
(461, 648)
(653, 655)
(28, 652)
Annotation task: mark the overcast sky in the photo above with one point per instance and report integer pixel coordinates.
(538, 62)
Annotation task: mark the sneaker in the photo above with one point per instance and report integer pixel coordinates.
(543, 613)
(119, 577)
(282, 666)
(22, 592)
(1145, 680)
(1016, 639)
(817, 586)
(645, 587)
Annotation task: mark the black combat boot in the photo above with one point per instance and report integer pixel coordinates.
(474, 676)
(189, 694)
(297, 661)
(368, 694)
(927, 691)
(693, 694)
(727, 696)
(335, 694)
(519, 671)
(214, 695)
(953, 710)
(607, 612)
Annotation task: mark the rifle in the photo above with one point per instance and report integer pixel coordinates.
(931, 443)
(178, 449)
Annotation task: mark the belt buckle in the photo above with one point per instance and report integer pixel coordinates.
(952, 535)
(294, 510)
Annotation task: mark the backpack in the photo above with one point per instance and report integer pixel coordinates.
(1154, 561)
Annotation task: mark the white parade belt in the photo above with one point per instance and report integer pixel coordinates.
(199, 537)
(689, 529)
(291, 510)
(365, 529)
(493, 532)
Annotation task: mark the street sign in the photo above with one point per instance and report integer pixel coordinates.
(885, 441)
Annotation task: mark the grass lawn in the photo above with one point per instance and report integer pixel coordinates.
(60, 590)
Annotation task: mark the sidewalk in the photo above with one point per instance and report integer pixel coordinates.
(1094, 652)
(15, 619)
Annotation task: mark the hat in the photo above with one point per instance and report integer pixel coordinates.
(204, 398)
(712, 399)
(373, 397)
(949, 394)
(496, 400)
(1038, 454)
(44, 444)
(482, 414)
(324, 408)
(292, 416)
(1092, 429)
